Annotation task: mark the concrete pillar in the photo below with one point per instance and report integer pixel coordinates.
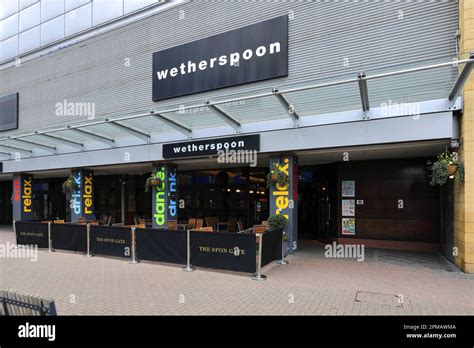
(82, 199)
(164, 197)
(464, 192)
(283, 199)
(22, 200)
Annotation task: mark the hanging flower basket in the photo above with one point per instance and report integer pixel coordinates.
(155, 182)
(452, 169)
(276, 175)
(152, 181)
(69, 185)
(447, 166)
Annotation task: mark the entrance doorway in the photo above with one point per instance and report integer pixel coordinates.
(317, 194)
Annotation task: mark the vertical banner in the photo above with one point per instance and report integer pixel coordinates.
(164, 196)
(22, 198)
(82, 198)
(88, 194)
(283, 196)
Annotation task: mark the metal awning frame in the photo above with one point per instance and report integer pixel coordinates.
(120, 122)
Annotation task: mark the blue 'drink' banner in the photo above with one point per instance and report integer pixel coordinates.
(32, 233)
(161, 245)
(112, 241)
(252, 53)
(272, 246)
(69, 237)
(222, 250)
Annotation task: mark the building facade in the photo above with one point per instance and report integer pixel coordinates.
(352, 101)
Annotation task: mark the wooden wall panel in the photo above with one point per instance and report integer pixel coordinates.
(380, 184)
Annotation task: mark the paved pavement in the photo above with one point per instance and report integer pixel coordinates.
(385, 283)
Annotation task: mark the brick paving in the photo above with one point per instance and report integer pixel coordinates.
(311, 284)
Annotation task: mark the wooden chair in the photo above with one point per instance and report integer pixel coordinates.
(104, 220)
(81, 220)
(258, 229)
(95, 223)
(212, 221)
(266, 224)
(58, 221)
(191, 223)
(240, 226)
(172, 225)
(199, 223)
(204, 229)
(140, 226)
(231, 225)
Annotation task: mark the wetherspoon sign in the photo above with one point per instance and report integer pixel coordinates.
(252, 53)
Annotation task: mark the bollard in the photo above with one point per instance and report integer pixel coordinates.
(282, 261)
(88, 229)
(50, 249)
(188, 267)
(134, 246)
(259, 275)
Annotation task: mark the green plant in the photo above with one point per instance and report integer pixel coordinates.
(276, 174)
(276, 221)
(447, 166)
(152, 180)
(69, 185)
(286, 238)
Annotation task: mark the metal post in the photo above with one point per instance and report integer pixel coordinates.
(4, 305)
(134, 254)
(14, 227)
(88, 254)
(259, 275)
(188, 267)
(50, 249)
(282, 261)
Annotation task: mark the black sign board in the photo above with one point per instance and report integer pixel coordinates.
(161, 245)
(252, 53)
(222, 250)
(69, 237)
(32, 233)
(210, 147)
(9, 112)
(112, 241)
(272, 246)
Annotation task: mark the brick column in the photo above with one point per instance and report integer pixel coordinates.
(464, 193)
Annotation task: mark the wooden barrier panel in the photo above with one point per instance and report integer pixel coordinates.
(272, 246)
(14, 303)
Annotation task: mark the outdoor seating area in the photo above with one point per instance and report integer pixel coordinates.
(195, 244)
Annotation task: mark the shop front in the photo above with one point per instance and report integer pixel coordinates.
(246, 119)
